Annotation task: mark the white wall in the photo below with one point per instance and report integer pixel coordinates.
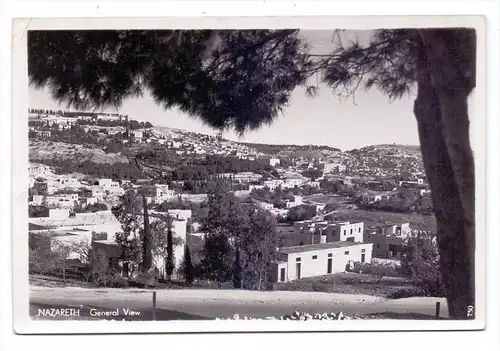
(318, 267)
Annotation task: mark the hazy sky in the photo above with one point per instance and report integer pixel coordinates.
(324, 120)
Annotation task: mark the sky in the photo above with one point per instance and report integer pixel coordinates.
(323, 120)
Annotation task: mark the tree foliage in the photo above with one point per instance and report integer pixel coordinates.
(210, 74)
(258, 247)
(134, 240)
(421, 263)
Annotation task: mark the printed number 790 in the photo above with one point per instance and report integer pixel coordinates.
(470, 311)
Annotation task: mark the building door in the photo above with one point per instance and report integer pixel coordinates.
(297, 270)
(363, 258)
(329, 266)
(282, 275)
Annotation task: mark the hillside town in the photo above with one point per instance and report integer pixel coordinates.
(314, 198)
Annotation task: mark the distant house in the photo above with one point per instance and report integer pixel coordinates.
(292, 182)
(62, 201)
(265, 205)
(43, 134)
(314, 232)
(273, 184)
(334, 168)
(38, 170)
(389, 240)
(37, 200)
(372, 197)
(247, 177)
(297, 201)
(319, 259)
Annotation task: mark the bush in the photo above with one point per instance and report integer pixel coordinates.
(380, 270)
(407, 292)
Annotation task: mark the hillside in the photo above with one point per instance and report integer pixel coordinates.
(375, 160)
(382, 158)
(48, 149)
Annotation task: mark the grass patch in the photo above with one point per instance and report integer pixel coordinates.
(349, 283)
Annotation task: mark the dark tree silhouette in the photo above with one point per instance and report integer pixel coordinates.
(187, 265)
(169, 266)
(237, 270)
(243, 79)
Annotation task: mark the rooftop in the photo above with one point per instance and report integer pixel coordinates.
(316, 247)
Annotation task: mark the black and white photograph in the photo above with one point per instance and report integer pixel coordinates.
(297, 175)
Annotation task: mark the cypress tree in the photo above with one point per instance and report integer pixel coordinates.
(237, 270)
(187, 265)
(169, 265)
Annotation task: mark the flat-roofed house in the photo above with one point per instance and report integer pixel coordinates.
(389, 240)
(314, 232)
(298, 262)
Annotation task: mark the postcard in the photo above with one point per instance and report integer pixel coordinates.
(251, 174)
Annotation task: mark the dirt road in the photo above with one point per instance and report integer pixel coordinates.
(209, 304)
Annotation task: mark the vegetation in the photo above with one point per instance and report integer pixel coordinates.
(349, 283)
(240, 241)
(98, 206)
(117, 171)
(301, 213)
(421, 264)
(140, 240)
(187, 266)
(37, 211)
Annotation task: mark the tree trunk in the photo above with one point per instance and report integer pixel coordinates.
(441, 112)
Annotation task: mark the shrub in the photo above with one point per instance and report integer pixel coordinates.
(380, 270)
(406, 292)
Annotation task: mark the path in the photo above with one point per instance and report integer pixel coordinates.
(210, 304)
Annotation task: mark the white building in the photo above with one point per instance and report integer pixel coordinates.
(292, 182)
(314, 232)
(319, 259)
(264, 205)
(370, 198)
(273, 184)
(297, 201)
(38, 170)
(138, 134)
(98, 192)
(62, 201)
(334, 168)
(247, 177)
(91, 201)
(37, 200)
(108, 184)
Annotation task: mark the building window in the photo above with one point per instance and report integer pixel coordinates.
(330, 255)
(363, 250)
(297, 259)
(359, 229)
(351, 231)
(315, 257)
(378, 246)
(344, 231)
(346, 252)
